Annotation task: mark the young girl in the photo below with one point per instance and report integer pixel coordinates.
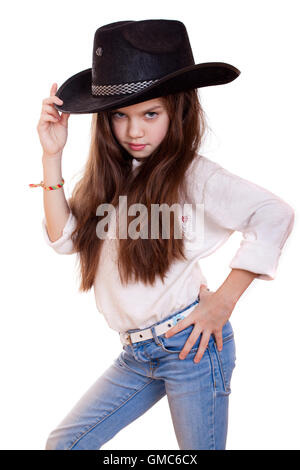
(147, 127)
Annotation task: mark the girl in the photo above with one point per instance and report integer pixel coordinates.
(147, 127)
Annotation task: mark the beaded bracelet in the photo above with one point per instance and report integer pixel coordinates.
(48, 188)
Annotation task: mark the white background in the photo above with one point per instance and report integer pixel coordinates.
(54, 343)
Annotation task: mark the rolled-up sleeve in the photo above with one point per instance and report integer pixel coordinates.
(264, 219)
(64, 245)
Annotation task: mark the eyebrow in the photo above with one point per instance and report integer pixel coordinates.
(146, 111)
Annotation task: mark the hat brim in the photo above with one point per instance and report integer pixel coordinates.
(78, 99)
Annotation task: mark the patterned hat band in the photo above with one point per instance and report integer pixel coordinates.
(121, 89)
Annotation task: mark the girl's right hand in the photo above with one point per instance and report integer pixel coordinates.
(52, 128)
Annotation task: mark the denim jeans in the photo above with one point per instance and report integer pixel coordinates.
(140, 376)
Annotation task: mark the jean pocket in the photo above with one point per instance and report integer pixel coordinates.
(175, 343)
(225, 360)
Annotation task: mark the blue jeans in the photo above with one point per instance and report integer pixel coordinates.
(140, 376)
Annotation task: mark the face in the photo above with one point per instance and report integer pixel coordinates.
(144, 123)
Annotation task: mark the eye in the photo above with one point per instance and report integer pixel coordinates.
(115, 114)
(151, 112)
(120, 117)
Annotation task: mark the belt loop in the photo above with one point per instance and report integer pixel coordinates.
(125, 336)
(155, 336)
(129, 339)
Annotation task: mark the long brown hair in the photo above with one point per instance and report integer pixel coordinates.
(160, 179)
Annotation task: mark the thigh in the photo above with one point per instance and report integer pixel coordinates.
(198, 393)
(116, 399)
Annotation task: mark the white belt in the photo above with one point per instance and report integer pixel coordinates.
(142, 335)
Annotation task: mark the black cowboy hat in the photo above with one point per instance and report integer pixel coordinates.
(135, 61)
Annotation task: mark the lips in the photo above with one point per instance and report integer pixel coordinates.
(136, 147)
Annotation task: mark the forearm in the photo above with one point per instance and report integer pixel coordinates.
(56, 207)
(235, 284)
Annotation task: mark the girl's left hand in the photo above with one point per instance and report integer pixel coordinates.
(209, 317)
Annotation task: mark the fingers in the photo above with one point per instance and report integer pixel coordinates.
(64, 118)
(202, 347)
(190, 342)
(53, 99)
(53, 89)
(219, 339)
(49, 113)
(50, 110)
(181, 325)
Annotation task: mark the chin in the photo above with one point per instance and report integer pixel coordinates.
(139, 154)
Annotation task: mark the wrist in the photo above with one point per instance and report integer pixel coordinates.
(51, 158)
(52, 164)
(228, 297)
(52, 171)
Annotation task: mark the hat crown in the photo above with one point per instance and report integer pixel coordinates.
(139, 51)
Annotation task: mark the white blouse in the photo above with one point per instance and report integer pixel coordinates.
(227, 203)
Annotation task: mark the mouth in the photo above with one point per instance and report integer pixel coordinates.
(136, 147)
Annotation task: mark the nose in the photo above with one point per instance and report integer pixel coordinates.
(135, 129)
